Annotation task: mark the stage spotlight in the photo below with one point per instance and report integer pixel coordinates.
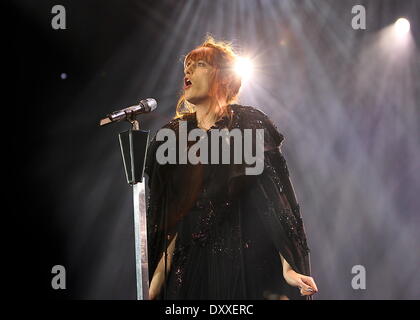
(402, 26)
(243, 67)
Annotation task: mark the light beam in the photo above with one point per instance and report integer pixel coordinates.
(402, 26)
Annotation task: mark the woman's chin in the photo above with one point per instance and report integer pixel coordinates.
(197, 100)
(192, 100)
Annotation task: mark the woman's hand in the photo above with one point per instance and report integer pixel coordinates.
(153, 292)
(306, 284)
(159, 275)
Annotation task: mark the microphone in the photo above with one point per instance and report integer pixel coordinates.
(144, 106)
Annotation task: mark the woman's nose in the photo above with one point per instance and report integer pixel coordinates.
(189, 69)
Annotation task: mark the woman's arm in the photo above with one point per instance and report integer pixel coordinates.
(285, 264)
(306, 284)
(159, 275)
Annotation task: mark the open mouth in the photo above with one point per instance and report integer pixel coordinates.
(187, 83)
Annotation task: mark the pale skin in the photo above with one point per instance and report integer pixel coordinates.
(200, 73)
(159, 275)
(305, 284)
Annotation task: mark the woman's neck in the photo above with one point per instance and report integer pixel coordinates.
(204, 120)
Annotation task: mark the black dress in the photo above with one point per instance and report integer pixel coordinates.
(230, 226)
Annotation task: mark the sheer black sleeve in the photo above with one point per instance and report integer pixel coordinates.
(273, 197)
(160, 229)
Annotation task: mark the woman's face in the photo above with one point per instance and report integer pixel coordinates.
(198, 81)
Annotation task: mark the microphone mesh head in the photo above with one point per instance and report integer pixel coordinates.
(151, 103)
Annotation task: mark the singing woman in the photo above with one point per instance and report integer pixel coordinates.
(214, 231)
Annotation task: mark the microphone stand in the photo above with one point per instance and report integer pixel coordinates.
(133, 144)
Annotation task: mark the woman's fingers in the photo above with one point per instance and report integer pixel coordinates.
(310, 282)
(306, 293)
(307, 286)
(304, 288)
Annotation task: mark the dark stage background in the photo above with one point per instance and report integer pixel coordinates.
(347, 101)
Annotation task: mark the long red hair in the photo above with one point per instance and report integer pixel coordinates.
(226, 82)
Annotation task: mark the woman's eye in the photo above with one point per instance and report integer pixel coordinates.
(201, 64)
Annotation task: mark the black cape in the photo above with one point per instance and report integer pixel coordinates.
(230, 226)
